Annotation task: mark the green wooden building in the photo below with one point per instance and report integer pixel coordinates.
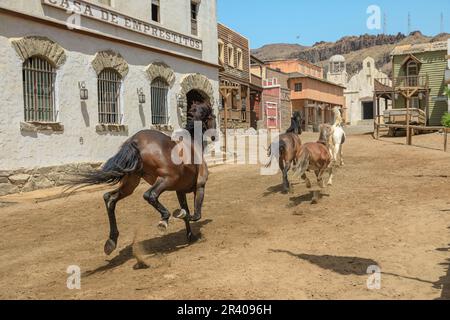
(418, 81)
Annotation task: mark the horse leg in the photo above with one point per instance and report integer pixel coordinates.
(199, 196)
(330, 171)
(308, 182)
(319, 174)
(341, 155)
(187, 216)
(152, 197)
(285, 167)
(128, 185)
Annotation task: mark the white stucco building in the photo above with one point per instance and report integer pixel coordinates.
(120, 51)
(359, 88)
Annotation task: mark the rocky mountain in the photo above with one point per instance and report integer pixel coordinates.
(353, 48)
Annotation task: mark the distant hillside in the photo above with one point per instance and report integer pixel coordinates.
(353, 48)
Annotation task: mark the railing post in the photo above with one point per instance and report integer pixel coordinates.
(445, 139)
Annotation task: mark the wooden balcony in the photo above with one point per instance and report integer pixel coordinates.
(411, 82)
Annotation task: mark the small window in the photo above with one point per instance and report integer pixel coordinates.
(298, 87)
(194, 18)
(221, 52)
(159, 93)
(230, 55)
(39, 90)
(155, 11)
(412, 69)
(240, 60)
(109, 87)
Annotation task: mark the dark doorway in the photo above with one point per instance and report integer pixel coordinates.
(195, 96)
(367, 110)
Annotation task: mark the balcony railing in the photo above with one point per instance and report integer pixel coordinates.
(411, 81)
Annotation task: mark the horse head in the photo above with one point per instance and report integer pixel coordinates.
(326, 135)
(296, 123)
(202, 112)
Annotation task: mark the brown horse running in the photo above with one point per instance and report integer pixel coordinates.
(287, 149)
(148, 155)
(316, 157)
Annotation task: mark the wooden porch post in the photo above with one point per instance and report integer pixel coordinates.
(408, 128)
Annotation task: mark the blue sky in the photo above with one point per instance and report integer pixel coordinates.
(309, 21)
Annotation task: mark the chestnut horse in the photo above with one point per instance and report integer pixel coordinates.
(316, 157)
(148, 155)
(287, 149)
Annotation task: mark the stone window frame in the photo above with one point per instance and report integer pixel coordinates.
(159, 69)
(194, 81)
(221, 48)
(240, 59)
(44, 47)
(110, 59)
(230, 54)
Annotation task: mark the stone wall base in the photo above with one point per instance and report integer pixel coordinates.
(26, 180)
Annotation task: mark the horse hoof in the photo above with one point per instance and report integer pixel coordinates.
(110, 246)
(191, 238)
(196, 218)
(163, 226)
(180, 214)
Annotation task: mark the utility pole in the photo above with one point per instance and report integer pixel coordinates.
(385, 23)
(442, 23)
(409, 23)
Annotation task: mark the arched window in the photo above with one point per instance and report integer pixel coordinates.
(109, 86)
(39, 90)
(159, 92)
(412, 69)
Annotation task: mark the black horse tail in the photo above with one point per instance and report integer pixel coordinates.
(276, 151)
(128, 160)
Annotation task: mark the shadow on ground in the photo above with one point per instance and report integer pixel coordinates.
(444, 282)
(165, 244)
(340, 265)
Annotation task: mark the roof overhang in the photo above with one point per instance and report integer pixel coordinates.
(411, 57)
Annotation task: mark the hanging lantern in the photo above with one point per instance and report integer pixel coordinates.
(141, 95)
(181, 101)
(84, 93)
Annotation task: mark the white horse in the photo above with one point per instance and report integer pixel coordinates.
(339, 137)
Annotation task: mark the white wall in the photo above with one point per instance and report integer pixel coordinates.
(175, 15)
(361, 86)
(24, 150)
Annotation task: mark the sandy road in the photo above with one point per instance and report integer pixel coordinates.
(390, 207)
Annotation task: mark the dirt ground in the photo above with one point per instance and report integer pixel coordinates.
(389, 206)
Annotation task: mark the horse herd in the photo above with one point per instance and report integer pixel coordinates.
(148, 155)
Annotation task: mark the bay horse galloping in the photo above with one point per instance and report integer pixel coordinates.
(316, 157)
(148, 155)
(287, 149)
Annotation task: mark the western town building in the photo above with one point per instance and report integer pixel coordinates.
(311, 94)
(80, 77)
(358, 89)
(417, 84)
(271, 101)
(234, 77)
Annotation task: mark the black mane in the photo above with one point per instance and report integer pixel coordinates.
(296, 124)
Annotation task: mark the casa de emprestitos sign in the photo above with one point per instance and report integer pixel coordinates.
(103, 14)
